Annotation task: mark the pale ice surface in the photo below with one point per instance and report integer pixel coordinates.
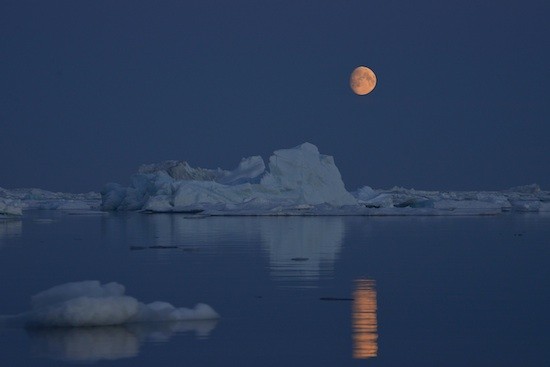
(296, 181)
(10, 207)
(15, 201)
(528, 198)
(295, 178)
(89, 303)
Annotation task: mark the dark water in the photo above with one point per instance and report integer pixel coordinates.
(457, 291)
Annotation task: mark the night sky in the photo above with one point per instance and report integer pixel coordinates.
(89, 90)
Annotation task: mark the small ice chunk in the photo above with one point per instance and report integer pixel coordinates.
(89, 303)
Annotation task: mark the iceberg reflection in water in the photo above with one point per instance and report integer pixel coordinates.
(365, 325)
(91, 344)
(9, 228)
(302, 248)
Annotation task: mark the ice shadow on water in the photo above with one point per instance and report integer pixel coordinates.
(91, 344)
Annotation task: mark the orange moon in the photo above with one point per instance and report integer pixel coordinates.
(362, 81)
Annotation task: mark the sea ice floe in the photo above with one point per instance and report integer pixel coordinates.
(523, 198)
(14, 201)
(89, 303)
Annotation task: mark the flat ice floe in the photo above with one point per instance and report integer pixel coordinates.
(529, 198)
(297, 181)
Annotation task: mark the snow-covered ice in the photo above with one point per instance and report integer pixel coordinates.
(10, 207)
(297, 181)
(14, 201)
(89, 303)
(523, 198)
(295, 178)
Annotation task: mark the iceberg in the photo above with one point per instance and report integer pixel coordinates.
(295, 179)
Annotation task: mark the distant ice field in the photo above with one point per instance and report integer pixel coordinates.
(298, 181)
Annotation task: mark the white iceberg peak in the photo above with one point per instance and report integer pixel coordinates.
(295, 177)
(313, 176)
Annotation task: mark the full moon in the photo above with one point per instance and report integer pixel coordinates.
(362, 81)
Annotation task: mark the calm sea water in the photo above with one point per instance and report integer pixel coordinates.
(324, 291)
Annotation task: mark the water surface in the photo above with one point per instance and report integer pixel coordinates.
(292, 291)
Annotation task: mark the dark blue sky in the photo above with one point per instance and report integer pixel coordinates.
(89, 90)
